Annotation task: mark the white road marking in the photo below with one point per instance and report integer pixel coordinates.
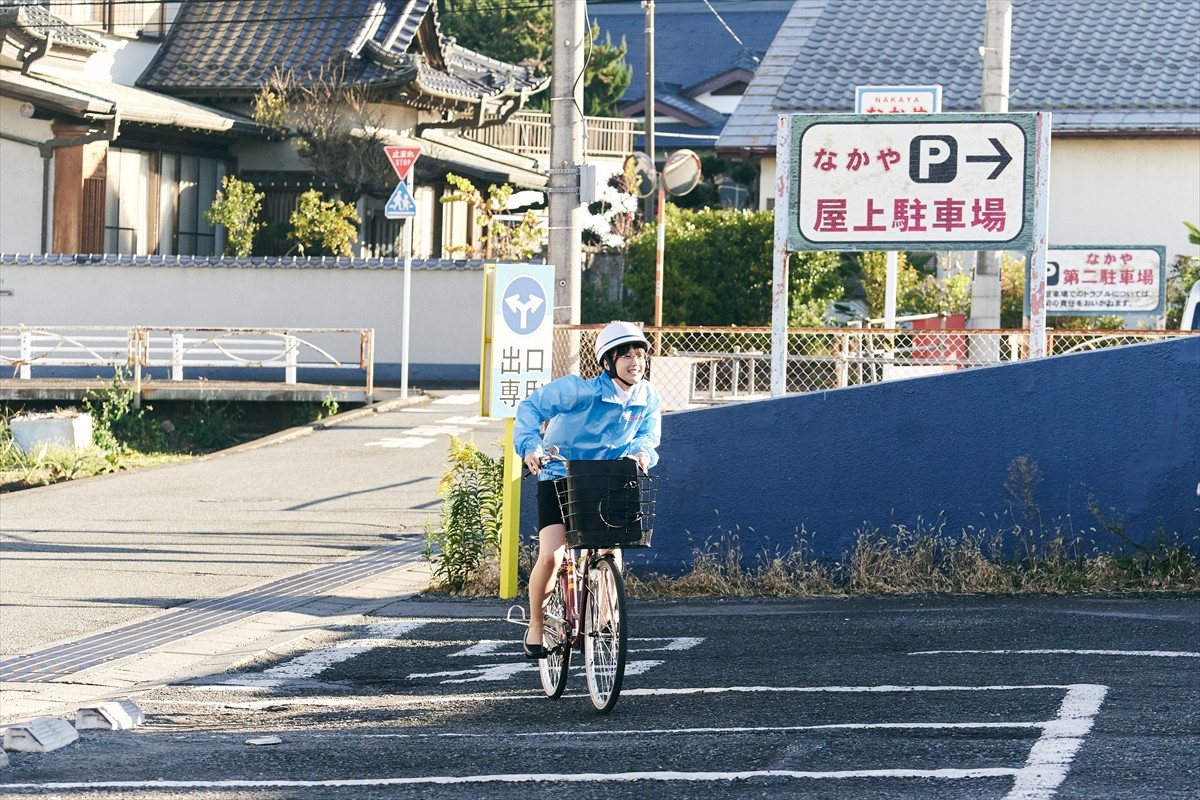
(438, 430)
(889, 689)
(1052, 754)
(468, 420)
(849, 726)
(411, 442)
(258, 705)
(484, 672)
(458, 399)
(490, 647)
(511, 669)
(1060, 652)
(1043, 771)
(312, 663)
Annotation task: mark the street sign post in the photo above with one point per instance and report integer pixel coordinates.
(895, 100)
(910, 182)
(401, 205)
(863, 182)
(1088, 280)
(518, 337)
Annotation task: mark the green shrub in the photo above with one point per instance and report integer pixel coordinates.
(472, 494)
(117, 425)
(210, 426)
(324, 226)
(237, 207)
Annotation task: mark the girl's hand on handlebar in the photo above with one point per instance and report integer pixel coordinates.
(533, 462)
(643, 461)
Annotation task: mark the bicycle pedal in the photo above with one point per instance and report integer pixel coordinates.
(520, 611)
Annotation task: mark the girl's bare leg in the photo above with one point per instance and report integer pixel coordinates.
(551, 541)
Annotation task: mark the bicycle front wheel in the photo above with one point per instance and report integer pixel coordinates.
(605, 634)
(557, 639)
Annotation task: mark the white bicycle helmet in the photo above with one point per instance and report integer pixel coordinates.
(618, 333)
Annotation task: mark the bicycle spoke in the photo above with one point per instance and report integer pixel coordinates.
(604, 643)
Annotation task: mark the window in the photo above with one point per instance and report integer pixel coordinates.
(133, 18)
(155, 203)
(194, 181)
(126, 191)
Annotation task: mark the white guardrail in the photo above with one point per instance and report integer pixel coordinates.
(181, 348)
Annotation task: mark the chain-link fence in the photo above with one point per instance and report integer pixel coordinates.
(703, 366)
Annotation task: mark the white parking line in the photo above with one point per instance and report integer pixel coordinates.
(1138, 653)
(1038, 778)
(490, 647)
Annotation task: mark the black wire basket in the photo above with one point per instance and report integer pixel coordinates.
(607, 504)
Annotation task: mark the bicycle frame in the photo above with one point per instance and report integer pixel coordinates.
(575, 580)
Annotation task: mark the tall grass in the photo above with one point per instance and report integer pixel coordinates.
(930, 560)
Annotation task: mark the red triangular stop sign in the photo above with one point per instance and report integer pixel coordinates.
(402, 158)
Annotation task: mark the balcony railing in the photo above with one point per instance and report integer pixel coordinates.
(528, 133)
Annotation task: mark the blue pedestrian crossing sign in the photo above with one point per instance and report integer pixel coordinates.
(401, 203)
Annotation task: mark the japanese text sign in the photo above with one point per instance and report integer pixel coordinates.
(1087, 280)
(401, 158)
(897, 99)
(518, 336)
(910, 182)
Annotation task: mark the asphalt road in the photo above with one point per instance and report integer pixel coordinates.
(1073, 697)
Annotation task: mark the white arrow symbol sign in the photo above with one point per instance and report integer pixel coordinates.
(513, 301)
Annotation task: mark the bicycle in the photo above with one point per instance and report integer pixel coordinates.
(606, 505)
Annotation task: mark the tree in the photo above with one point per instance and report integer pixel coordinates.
(719, 270)
(1184, 272)
(523, 34)
(499, 239)
(916, 292)
(606, 76)
(519, 33)
(335, 130)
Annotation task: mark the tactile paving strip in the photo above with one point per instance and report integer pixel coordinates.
(204, 615)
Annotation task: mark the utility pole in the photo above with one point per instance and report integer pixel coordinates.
(648, 5)
(565, 247)
(997, 43)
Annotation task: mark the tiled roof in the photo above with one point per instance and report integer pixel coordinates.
(98, 100)
(36, 21)
(228, 262)
(233, 47)
(1096, 65)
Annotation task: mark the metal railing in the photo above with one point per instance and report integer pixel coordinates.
(182, 348)
(528, 133)
(702, 366)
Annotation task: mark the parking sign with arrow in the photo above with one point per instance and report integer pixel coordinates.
(907, 182)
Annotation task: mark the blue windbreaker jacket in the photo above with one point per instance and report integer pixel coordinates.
(587, 421)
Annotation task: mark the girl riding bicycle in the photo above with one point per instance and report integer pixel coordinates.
(615, 415)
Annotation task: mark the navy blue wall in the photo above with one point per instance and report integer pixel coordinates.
(1120, 425)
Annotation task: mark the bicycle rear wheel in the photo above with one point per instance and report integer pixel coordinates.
(553, 668)
(604, 634)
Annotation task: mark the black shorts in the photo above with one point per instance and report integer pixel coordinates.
(549, 511)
